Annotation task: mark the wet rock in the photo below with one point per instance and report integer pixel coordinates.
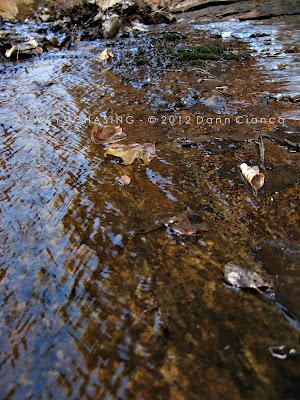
(281, 258)
(240, 10)
(292, 49)
(127, 6)
(258, 34)
(45, 17)
(159, 17)
(215, 101)
(11, 9)
(187, 5)
(111, 27)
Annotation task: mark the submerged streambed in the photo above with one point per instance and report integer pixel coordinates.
(95, 302)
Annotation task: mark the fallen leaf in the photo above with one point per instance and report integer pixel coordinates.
(284, 352)
(31, 46)
(186, 224)
(107, 134)
(242, 278)
(252, 175)
(106, 55)
(128, 153)
(4, 163)
(123, 180)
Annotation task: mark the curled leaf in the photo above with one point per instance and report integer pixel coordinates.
(106, 55)
(252, 175)
(107, 134)
(242, 278)
(284, 352)
(131, 152)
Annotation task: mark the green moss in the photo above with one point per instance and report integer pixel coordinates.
(187, 55)
(197, 63)
(205, 52)
(173, 36)
(205, 49)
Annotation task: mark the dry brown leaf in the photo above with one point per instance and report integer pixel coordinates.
(107, 134)
(131, 152)
(243, 278)
(106, 55)
(252, 175)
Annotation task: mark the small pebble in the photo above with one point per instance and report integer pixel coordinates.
(123, 180)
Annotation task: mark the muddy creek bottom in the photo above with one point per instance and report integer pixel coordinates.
(99, 298)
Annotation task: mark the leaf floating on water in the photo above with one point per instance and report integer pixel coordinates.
(252, 175)
(131, 152)
(123, 180)
(106, 55)
(242, 278)
(107, 134)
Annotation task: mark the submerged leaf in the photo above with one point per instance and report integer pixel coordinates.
(253, 176)
(106, 55)
(183, 224)
(107, 134)
(131, 152)
(243, 278)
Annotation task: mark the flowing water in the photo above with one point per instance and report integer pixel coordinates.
(95, 302)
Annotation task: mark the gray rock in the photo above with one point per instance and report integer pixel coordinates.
(193, 4)
(111, 27)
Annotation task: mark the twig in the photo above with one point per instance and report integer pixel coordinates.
(153, 229)
(261, 150)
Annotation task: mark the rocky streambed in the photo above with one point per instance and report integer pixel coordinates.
(117, 288)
